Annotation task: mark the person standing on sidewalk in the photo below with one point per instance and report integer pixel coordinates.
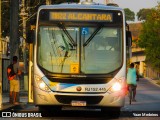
(132, 79)
(15, 83)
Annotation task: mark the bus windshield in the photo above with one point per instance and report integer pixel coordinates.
(80, 49)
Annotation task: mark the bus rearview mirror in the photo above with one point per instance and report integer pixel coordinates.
(128, 38)
(30, 36)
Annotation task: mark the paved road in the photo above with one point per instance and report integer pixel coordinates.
(148, 104)
(148, 97)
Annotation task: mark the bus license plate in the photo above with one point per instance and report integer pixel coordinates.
(78, 103)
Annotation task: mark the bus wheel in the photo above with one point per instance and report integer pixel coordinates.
(112, 111)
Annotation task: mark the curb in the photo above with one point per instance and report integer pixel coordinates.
(152, 81)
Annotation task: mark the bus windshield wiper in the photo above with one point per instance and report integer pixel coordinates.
(94, 33)
(60, 25)
(66, 52)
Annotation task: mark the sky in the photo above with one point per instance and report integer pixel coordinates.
(134, 5)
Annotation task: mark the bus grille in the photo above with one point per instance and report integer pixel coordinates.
(66, 99)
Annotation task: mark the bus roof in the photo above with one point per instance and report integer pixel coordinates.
(80, 6)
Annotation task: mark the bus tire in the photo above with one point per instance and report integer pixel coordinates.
(112, 111)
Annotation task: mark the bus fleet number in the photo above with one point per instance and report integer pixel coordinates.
(95, 89)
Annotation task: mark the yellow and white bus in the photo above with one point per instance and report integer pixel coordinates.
(79, 57)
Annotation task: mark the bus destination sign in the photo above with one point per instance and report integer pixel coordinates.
(81, 16)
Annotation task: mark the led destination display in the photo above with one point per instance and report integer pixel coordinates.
(81, 16)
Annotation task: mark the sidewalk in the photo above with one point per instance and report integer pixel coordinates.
(154, 81)
(6, 106)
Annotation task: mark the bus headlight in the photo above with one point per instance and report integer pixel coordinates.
(41, 84)
(115, 87)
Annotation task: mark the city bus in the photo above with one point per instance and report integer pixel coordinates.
(79, 57)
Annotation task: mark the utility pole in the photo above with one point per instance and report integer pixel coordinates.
(14, 30)
(23, 14)
(0, 58)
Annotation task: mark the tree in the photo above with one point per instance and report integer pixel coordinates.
(150, 38)
(142, 14)
(5, 18)
(130, 15)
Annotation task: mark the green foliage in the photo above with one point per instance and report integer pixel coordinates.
(142, 14)
(130, 15)
(5, 19)
(32, 6)
(150, 38)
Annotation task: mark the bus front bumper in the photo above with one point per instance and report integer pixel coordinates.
(115, 99)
